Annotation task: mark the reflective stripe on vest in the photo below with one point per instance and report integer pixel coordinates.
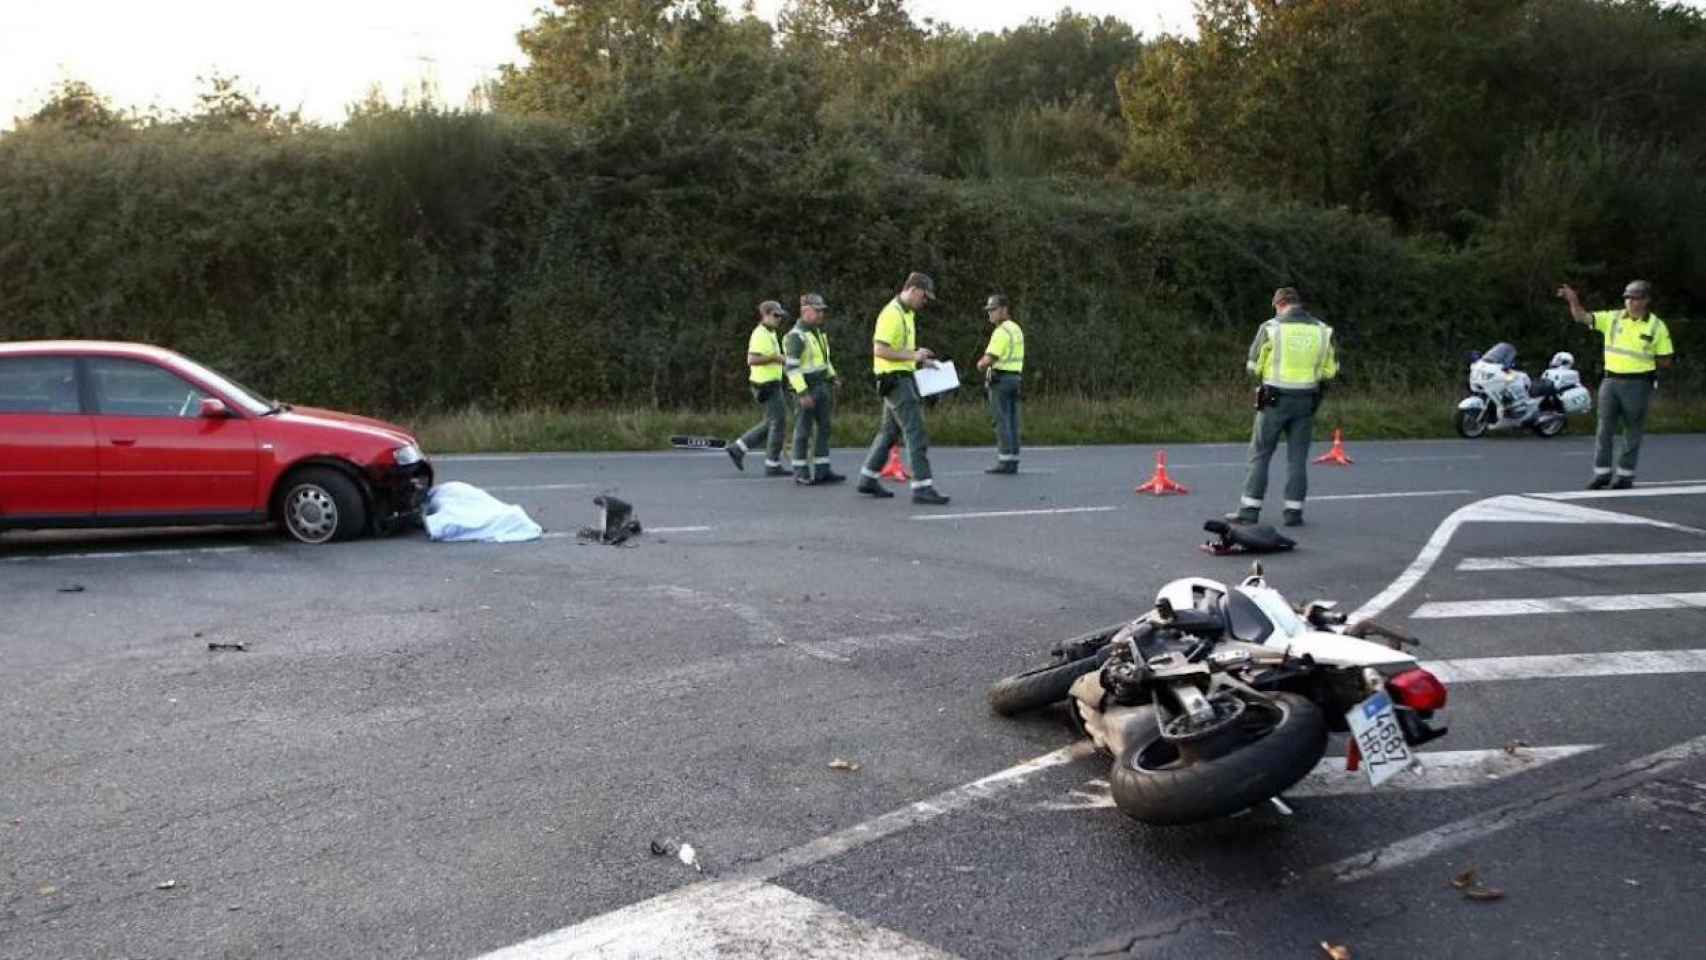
(1633, 354)
(1298, 356)
(1012, 360)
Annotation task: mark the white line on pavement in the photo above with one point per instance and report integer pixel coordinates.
(1642, 491)
(1378, 496)
(1603, 783)
(728, 918)
(124, 554)
(1440, 770)
(1590, 560)
(676, 924)
(1010, 513)
(1526, 606)
(1558, 666)
(542, 486)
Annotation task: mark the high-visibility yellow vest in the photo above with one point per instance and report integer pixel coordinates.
(895, 328)
(1631, 345)
(1293, 352)
(764, 343)
(1007, 346)
(808, 353)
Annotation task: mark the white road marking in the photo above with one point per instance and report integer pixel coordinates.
(1010, 513)
(125, 554)
(1528, 606)
(723, 919)
(1440, 770)
(1378, 496)
(1600, 784)
(1502, 509)
(1589, 560)
(1639, 491)
(1622, 663)
(542, 486)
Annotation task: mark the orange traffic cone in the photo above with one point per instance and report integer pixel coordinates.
(1161, 484)
(894, 469)
(1336, 456)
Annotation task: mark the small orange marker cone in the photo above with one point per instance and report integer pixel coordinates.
(1161, 484)
(1336, 456)
(894, 469)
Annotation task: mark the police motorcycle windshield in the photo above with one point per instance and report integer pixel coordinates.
(1502, 354)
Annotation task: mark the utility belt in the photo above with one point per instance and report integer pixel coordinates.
(761, 392)
(998, 374)
(1649, 375)
(1269, 396)
(815, 378)
(886, 382)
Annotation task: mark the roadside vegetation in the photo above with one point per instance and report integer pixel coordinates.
(575, 257)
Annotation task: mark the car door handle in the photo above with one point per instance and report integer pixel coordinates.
(124, 441)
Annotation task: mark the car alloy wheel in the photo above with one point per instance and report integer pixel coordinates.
(311, 513)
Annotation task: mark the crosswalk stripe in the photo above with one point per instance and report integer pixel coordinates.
(1591, 560)
(1518, 607)
(1625, 663)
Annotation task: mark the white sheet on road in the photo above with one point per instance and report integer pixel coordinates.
(459, 511)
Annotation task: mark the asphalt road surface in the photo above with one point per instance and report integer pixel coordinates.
(454, 750)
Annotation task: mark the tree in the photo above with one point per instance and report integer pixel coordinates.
(75, 105)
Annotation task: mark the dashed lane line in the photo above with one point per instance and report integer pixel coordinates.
(1382, 496)
(1010, 513)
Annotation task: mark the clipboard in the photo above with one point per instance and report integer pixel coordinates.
(938, 379)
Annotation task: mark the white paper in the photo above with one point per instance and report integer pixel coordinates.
(938, 379)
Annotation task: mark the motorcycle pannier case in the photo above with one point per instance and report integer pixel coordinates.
(1576, 399)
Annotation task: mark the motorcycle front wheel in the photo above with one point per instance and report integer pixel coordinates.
(1042, 686)
(1153, 783)
(1470, 423)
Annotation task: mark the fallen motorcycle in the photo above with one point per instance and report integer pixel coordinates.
(1219, 699)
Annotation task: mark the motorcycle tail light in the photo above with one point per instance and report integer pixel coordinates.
(1418, 689)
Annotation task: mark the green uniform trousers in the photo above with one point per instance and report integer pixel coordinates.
(1291, 416)
(811, 429)
(773, 429)
(1004, 407)
(903, 418)
(1621, 400)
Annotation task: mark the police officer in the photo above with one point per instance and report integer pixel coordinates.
(765, 363)
(1003, 366)
(1293, 354)
(1637, 343)
(894, 356)
(812, 376)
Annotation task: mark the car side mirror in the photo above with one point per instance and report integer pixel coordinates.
(213, 408)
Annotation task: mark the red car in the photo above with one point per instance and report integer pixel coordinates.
(97, 434)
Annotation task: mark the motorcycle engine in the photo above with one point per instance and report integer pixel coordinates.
(1126, 682)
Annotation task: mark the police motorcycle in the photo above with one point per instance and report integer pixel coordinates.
(1218, 699)
(1501, 397)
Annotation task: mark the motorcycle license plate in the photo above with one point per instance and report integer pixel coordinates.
(1374, 724)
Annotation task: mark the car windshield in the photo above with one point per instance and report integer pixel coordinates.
(249, 400)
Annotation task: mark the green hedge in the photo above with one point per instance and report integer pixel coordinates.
(415, 261)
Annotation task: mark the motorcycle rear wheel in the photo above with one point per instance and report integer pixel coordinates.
(1550, 428)
(1153, 783)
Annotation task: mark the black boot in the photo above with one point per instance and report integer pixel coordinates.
(1600, 481)
(1293, 518)
(829, 476)
(928, 495)
(873, 488)
(737, 455)
(1624, 482)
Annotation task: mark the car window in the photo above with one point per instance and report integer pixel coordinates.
(39, 385)
(131, 388)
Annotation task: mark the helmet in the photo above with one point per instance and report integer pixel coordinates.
(1502, 354)
(1186, 593)
(1562, 358)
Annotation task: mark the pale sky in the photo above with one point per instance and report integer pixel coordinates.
(323, 54)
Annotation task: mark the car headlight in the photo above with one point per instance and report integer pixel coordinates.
(408, 456)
